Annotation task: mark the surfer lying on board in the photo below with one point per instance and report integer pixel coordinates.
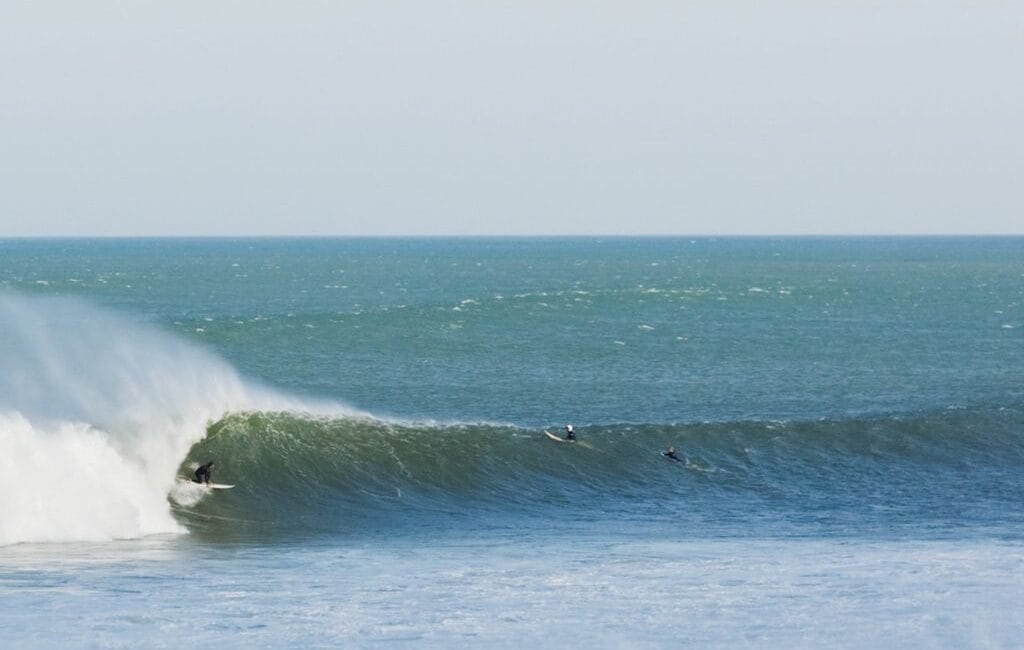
(203, 473)
(569, 435)
(671, 453)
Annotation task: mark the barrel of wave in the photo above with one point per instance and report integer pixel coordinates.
(97, 410)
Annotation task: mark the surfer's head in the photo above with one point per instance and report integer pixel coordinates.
(568, 427)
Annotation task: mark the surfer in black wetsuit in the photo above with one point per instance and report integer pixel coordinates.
(671, 453)
(569, 435)
(203, 473)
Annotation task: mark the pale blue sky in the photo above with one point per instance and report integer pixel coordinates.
(536, 118)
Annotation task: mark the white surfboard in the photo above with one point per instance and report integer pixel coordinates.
(556, 438)
(210, 486)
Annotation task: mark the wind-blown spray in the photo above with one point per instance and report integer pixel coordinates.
(96, 414)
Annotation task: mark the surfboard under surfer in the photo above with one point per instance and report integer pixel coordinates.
(203, 473)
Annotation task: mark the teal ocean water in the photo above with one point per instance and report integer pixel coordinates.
(849, 414)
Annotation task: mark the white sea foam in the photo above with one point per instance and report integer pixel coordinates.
(96, 414)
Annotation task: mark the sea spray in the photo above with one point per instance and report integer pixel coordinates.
(97, 412)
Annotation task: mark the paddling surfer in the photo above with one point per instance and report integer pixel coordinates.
(671, 453)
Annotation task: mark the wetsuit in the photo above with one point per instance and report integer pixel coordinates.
(670, 454)
(570, 435)
(203, 473)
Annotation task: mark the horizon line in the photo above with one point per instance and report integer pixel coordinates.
(526, 236)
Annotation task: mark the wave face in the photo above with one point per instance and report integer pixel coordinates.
(305, 474)
(96, 413)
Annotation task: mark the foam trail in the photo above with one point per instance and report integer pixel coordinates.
(96, 414)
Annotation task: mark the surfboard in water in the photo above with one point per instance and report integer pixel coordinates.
(556, 438)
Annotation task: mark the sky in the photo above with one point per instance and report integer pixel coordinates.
(554, 117)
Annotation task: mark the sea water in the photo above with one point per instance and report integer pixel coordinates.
(849, 414)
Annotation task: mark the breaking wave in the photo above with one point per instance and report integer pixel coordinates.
(101, 416)
(302, 474)
(96, 413)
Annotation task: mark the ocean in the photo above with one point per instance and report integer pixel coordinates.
(848, 414)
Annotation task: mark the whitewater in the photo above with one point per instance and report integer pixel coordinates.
(97, 413)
